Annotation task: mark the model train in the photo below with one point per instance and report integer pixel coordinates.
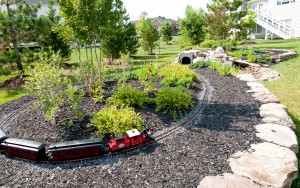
(72, 150)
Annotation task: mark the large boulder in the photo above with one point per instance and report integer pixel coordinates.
(220, 50)
(277, 134)
(266, 164)
(265, 96)
(227, 180)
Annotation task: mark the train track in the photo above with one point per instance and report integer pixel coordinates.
(184, 124)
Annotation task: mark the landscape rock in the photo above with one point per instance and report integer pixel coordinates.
(266, 164)
(198, 59)
(220, 50)
(272, 106)
(277, 134)
(256, 87)
(276, 120)
(227, 63)
(244, 63)
(246, 77)
(265, 96)
(278, 114)
(227, 180)
(263, 74)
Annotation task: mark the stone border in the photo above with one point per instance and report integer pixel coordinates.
(272, 163)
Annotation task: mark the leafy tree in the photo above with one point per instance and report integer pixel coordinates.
(166, 31)
(247, 25)
(21, 24)
(131, 40)
(54, 40)
(192, 26)
(148, 33)
(225, 20)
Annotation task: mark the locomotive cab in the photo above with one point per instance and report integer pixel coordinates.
(136, 137)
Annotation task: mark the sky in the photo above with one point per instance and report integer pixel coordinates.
(167, 8)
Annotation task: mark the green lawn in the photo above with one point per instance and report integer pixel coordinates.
(287, 88)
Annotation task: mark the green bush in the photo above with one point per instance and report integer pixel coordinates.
(45, 82)
(116, 120)
(129, 96)
(215, 65)
(200, 64)
(7, 69)
(251, 58)
(172, 73)
(173, 100)
(209, 44)
(238, 54)
(225, 70)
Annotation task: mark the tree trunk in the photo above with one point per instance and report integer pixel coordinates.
(82, 68)
(14, 40)
(98, 64)
(92, 63)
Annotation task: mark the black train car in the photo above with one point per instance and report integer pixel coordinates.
(75, 149)
(2, 136)
(24, 149)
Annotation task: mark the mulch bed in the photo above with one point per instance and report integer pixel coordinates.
(182, 160)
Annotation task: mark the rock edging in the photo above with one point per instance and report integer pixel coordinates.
(272, 163)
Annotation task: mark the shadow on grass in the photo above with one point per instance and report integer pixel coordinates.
(296, 120)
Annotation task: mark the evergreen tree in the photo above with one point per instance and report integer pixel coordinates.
(225, 20)
(22, 25)
(148, 33)
(54, 40)
(192, 26)
(166, 32)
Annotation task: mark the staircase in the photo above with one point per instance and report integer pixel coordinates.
(279, 28)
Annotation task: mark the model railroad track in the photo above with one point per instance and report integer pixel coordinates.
(15, 112)
(185, 124)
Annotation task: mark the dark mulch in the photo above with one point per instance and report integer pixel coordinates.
(182, 160)
(12, 82)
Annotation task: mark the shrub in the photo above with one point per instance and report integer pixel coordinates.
(45, 82)
(215, 65)
(116, 120)
(200, 64)
(173, 100)
(172, 73)
(251, 58)
(6, 69)
(129, 96)
(209, 44)
(225, 70)
(238, 54)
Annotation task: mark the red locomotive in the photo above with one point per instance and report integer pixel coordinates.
(62, 151)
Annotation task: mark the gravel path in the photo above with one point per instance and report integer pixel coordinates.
(178, 161)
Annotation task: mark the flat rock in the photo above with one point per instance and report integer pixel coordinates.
(227, 180)
(256, 87)
(277, 134)
(266, 164)
(265, 96)
(272, 106)
(276, 120)
(244, 63)
(246, 77)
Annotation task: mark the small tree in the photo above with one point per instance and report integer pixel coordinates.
(192, 26)
(51, 89)
(166, 32)
(148, 33)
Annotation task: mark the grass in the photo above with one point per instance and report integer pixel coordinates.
(9, 94)
(287, 88)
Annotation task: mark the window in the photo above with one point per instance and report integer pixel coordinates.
(282, 2)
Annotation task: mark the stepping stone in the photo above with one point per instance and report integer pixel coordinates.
(246, 77)
(277, 115)
(271, 106)
(276, 120)
(277, 134)
(265, 96)
(256, 87)
(227, 180)
(266, 164)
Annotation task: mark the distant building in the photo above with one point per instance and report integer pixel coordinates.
(276, 19)
(158, 21)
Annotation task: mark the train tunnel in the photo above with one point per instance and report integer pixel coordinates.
(186, 60)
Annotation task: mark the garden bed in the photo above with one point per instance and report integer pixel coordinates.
(179, 161)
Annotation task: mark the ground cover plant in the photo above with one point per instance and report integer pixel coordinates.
(174, 100)
(177, 75)
(117, 120)
(225, 70)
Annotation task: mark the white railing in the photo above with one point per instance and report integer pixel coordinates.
(279, 28)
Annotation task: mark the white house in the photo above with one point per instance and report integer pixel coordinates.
(276, 18)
